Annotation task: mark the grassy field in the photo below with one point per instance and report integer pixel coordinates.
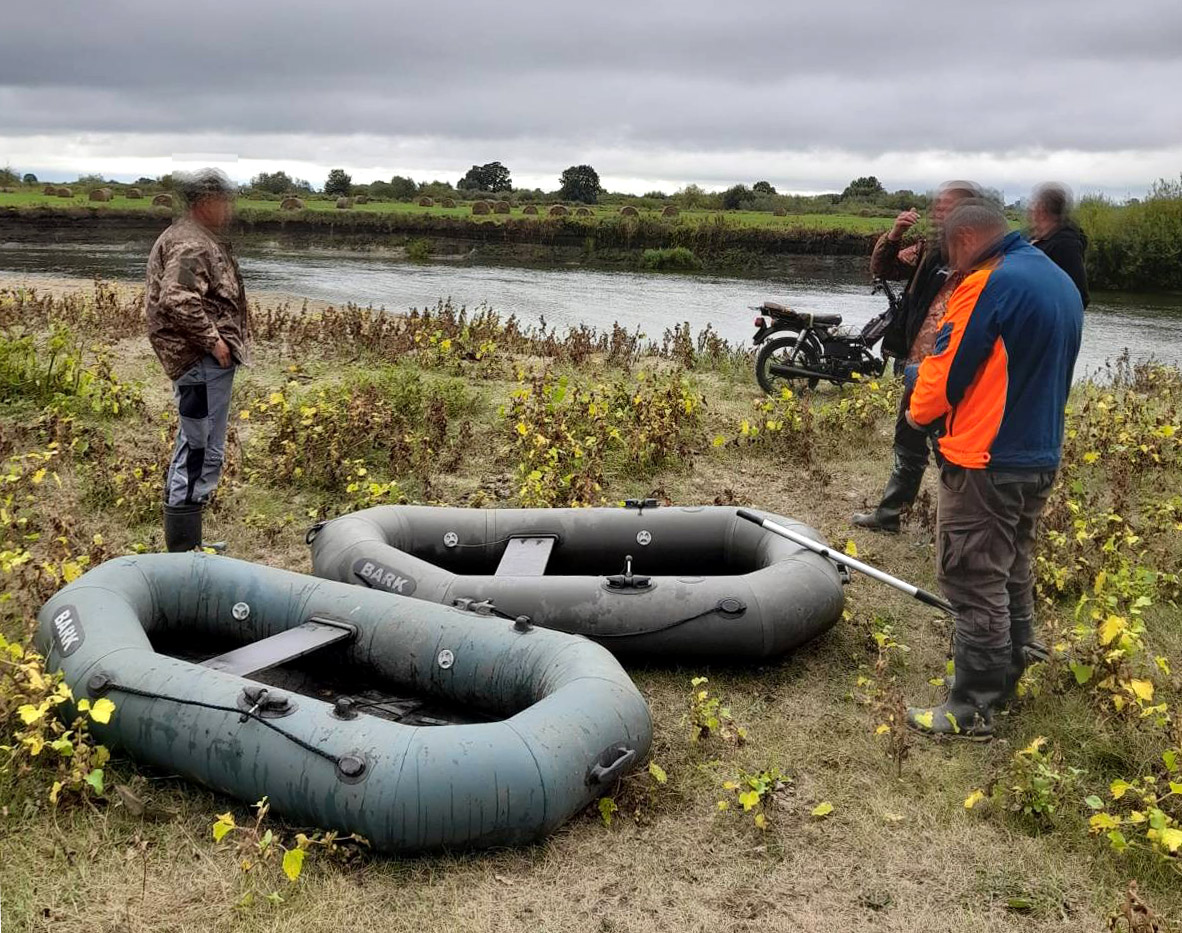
(865, 827)
(844, 222)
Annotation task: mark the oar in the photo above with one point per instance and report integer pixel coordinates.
(845, 560)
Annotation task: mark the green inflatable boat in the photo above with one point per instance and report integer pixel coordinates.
(418, 726)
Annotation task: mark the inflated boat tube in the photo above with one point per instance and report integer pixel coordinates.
(572, 719)
(651, 582)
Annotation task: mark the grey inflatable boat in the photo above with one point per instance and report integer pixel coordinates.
(660, 583)
(189, 647)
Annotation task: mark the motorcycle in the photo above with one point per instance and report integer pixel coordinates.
(813, 347)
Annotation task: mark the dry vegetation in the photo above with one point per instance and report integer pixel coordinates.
(832, 821)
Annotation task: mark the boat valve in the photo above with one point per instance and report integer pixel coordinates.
(343, 708)
(523, 624)
(258, 701)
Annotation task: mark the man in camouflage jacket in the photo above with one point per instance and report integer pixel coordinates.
(198, 324)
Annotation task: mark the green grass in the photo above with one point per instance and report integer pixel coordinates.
(843, 222)
(893, 849)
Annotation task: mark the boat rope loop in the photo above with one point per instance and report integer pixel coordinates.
(730, 606)
(100, 684)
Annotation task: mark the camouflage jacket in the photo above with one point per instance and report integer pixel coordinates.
(194, 294)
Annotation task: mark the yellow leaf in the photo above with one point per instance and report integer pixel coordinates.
(924, 718)
(1170, 838)
(851, 548)
(1118, 788)
(882, 729)
(1142, 689)
(761, 821)
(54, 791)
(29, 714)
(244, 414)
(749, 799)
(1110, 628)
(101, 710)
(1103, 821)
(657, 772)
(71, 571)
(293, 863)
(823, 809)
(973, 799)
(225, 823)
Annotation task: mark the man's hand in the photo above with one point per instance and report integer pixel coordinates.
(221, 353)
(911, 421)
(903, 223)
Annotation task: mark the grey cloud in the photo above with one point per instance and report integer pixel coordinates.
(692, 75)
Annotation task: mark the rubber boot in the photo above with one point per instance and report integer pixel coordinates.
(1024, 651)
(979, 686)
(182, 527)
(901, 489)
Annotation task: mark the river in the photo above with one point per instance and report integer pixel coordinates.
(1146, 326)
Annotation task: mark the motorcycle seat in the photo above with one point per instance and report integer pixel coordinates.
(775, 309)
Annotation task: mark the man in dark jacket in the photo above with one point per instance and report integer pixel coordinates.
(1000, 374)
(199, 327)
(1054, 232)
(910, 336)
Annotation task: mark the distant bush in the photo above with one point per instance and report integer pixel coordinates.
(1136, 245)
(676, 259)
(418, 250)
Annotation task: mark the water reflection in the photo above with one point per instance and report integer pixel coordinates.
(1144, 325)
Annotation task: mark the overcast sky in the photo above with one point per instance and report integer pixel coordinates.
(654, 94)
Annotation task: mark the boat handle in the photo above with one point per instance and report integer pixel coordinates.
(601, 773)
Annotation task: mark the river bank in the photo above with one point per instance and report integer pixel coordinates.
(856, 818)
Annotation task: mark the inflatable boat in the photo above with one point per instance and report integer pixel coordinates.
(661, 583)
(191, 647)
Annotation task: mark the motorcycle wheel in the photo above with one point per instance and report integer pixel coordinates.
(782, 350)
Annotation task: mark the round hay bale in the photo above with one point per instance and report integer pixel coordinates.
(291, 204)
(50, 190)
(481, 207)
(100, 194)
(361, 199)
(629, 211)
(64, 193)
(502, 207)
(162, 200)
(583, 212)
(425, 201)
(779, 212)
(133, 194)
(447, 202)
(558, 210)
(343, 204)
(669, 211)
(529, 209)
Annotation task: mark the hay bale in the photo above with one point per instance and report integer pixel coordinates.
(425, 201)
(64, 193)
(481, 207)
(291, 204)
(133, 194)
(447, 202)
(558, 210)
(583, 212)
(50, 190)
(529, 209)
(361, 199)
(100, 194)
(779, 212)
(343, 204)
(502, 207)
(669, 211)
(629, 211)
(162, 200)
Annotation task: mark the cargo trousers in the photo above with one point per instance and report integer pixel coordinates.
(202, 396)
(986, 530)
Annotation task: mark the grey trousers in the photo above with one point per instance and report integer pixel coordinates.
(203, 401)
(986, 526)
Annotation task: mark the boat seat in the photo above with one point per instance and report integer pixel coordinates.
(526, 557)
(281, 648)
